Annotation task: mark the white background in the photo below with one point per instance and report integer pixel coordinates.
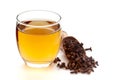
(94, 22)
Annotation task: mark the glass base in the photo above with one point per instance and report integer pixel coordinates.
(36, 65)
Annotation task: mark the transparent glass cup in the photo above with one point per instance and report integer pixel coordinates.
(38, 35)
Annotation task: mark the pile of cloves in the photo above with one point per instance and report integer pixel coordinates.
(78, 61)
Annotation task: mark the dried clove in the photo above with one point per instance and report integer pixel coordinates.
(56, 60)
(78, 61)
(88, 49)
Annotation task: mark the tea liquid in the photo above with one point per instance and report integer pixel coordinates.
(38, 44)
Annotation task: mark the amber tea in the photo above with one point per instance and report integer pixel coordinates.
(38, 45)
(38, 35)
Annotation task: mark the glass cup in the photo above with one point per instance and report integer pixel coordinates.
(38, 35)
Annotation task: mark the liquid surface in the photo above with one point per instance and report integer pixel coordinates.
(38, 45)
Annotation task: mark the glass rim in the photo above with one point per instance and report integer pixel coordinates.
(22, 23)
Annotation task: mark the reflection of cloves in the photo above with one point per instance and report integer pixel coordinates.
(27, 22)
